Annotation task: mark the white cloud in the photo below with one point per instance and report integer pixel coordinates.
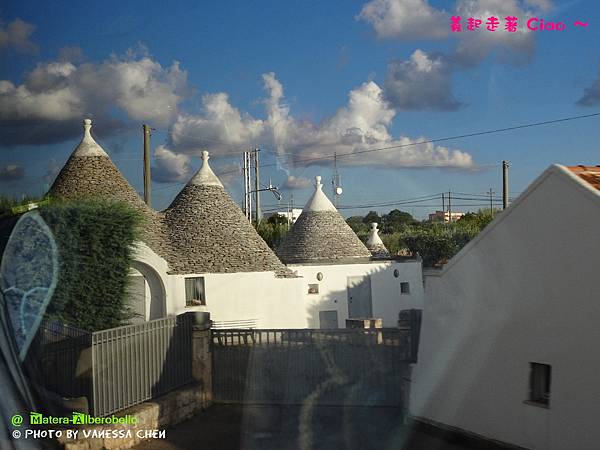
(57, 93)
(416, 19)
(219, 126)
(170, 167)
(423, 82)
(16, 34)
(509, 47)
(293, 182)
(11, 172)
(362, 124)
(591, 95)
(405, 19)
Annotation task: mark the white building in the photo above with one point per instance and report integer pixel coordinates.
(446, 216)
(201, 254)
(291, 214)
(341, 277)
(510, 324)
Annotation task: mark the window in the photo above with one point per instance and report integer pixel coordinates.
(194, 291)
(539, 383)
(313, 288)
(404, 287)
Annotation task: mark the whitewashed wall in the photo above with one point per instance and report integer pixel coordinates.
(525, 290)
(385, 289)
(272, 302)
(284, 302)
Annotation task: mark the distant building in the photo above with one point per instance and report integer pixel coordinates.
(445, 216)
(343, 279)
(291, 215)
(510, 324)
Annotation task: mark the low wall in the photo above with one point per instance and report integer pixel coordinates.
(152, 416)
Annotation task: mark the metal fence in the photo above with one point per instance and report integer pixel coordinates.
(325, 367)
(135, 363)
(63, 353)
(116, 368)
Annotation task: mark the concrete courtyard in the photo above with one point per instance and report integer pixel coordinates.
(232, 427)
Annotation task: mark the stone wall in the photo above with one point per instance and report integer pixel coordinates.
(210, 234)
(322, 236)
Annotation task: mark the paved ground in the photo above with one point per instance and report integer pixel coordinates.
(234, 427)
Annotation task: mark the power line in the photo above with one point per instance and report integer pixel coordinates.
(444, 139)
(428, 141)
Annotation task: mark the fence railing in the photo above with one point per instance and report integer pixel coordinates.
(63, 354)
(308, 337)
(357, 367)
(120, 367)
(135, 363)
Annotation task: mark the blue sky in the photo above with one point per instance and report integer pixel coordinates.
(301, 80)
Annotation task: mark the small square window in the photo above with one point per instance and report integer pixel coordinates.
(194, 291)
(313, 288)
(404, 287)
(539, 383)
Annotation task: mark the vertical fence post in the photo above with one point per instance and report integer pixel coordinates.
(201, 355)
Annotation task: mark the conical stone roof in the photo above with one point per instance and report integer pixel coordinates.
(375, 244)
(210, 234)
(321, 235)
(89, 172)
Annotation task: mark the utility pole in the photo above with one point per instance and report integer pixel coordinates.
(443, 203)
(505, 184)
(248, 185)
(246, 173)
(449, 208)
(147, 182)
(257, 184)
(335, 183)
(491, 201)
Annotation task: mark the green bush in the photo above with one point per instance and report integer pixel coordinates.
(94, 239)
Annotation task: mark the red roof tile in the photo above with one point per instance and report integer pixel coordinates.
(589, 174)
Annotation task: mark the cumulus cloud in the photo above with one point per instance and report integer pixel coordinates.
(362, 124)
(170, 167)
(16, 35)
(293, 182)
(591, 95)
(423, 82)
(416, 19)
(54, 95)
(516, 48)
(11, 172)
(405, 19)
(219, 125)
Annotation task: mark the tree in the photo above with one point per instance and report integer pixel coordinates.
(395, 221)
(371, 217)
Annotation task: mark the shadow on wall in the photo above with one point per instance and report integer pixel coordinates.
(146, 293)
(325, 311)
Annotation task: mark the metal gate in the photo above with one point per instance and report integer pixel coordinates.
(323, 367)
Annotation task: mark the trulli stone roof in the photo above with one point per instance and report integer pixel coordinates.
(210, 234)
(89, 172)
(321, 234)
(375, 244)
